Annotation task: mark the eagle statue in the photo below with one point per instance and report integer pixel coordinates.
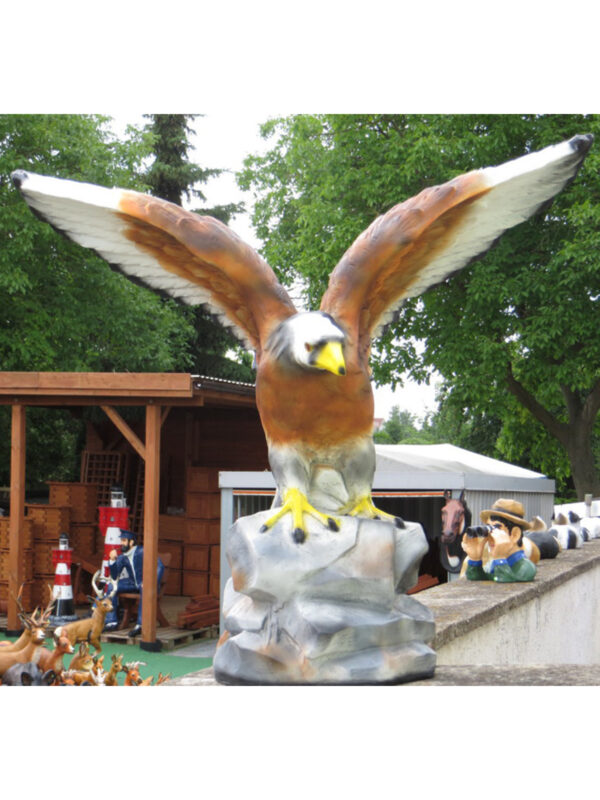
(313, 389)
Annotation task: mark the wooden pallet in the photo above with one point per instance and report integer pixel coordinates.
(170, 638)
(201, 612)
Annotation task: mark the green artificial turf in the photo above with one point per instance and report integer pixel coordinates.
(164, 661)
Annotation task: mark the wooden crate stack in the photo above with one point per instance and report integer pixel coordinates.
(171, 535)
(48, 523)
(82, 499)
(203, 532)
(201, 550)
(27, 597)
(72, 508)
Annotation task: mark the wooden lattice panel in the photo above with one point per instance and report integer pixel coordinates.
(136, 515)
(104, 468)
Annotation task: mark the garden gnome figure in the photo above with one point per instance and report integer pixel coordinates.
(502, 531)
(127, 570)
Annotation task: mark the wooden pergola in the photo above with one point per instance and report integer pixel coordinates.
(158, 393)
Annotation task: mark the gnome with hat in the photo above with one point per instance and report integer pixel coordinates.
(502, 532)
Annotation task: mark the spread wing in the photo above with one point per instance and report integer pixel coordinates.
(424, 240)
(195, 259)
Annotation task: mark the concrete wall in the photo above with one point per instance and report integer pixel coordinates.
(552, 620)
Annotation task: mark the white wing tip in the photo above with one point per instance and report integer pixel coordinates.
(567, 155)
(31, 184)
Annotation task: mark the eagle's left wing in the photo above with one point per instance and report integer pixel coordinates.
(195, 259)
(422, 241)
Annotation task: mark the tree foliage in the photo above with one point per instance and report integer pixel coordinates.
(401, 428)
(514, 335)
(63, 308)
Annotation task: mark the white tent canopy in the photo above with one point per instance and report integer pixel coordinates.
(444, 466)
(443, 458)
(426, 467)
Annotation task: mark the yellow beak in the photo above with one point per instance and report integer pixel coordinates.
(331, 357)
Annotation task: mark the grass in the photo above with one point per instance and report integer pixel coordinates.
(164, 661)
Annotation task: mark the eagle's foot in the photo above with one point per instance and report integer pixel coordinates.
(366, 508)
(295, 502)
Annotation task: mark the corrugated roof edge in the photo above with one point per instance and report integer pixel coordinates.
(222, 384)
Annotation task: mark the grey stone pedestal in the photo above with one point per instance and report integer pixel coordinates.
(329, 611)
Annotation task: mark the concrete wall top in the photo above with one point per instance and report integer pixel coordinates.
(462, 606)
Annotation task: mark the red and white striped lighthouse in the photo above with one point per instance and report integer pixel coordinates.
(110, 520)
(64, 610)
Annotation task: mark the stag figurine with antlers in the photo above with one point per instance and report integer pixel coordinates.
(30, 643)
(90, 628)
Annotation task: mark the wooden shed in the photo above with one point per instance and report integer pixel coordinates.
(188, 428)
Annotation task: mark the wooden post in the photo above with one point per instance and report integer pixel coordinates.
(17, 516)
(151, 497)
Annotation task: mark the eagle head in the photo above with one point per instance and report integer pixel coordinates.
(311, 340)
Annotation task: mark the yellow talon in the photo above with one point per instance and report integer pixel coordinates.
(366, 508)
(295, 502)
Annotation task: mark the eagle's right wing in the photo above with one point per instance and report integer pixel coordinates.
(426, 239)
(195, 259)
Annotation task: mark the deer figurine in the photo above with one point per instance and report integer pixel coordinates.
(6, 646)
(36, 625)
(80, 668)
(53, 659)
(25, 637)
(90, 628)
(97, 672)
(115, 668)
(132, 673)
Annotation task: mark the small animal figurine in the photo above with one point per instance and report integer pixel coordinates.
(53, 659)
(568, 536)
(37, 626)
(90, 628)
(116, 667)
(591, 525)
(30, 621)
(80, 668)
(456, 516)
(132, 673)
(97, 672)
(546, 543)
(28, 674)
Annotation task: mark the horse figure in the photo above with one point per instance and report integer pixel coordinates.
(456, 517)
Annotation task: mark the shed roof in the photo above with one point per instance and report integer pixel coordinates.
(120, 388)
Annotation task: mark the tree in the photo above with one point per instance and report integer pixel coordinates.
(400, 428)
(172, 176)
(473, 430)
(513, 335)
(63, 308)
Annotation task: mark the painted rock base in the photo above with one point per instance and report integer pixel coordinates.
(329, 611)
